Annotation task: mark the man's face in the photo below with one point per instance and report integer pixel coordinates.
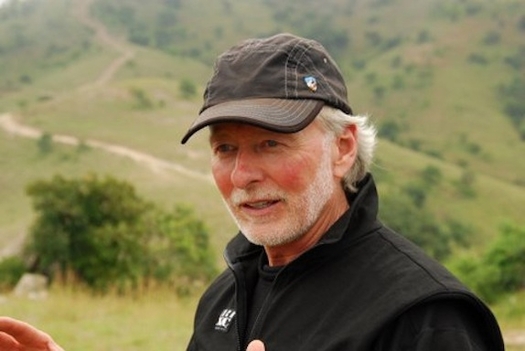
(277, 186)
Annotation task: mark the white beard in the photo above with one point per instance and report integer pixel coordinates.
(305, 209)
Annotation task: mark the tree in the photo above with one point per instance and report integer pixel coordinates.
(187, 88)
(501, 268)
(390, 130)
(465, 185)
(513, 103)
(107, 236)
(431, 176)
(405, 213)
(11, 270)
(45, 143)
(141, 99)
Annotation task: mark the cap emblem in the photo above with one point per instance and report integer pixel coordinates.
(311, 83)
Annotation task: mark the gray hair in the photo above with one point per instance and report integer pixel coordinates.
(335, 121)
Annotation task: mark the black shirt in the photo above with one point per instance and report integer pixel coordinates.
(263, 285)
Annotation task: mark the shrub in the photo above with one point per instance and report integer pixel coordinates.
(521, 23)
(11, 270)
(501, 268)
(141, 99)
(478, 59)
(423, 37)
(108, 237)
(405, 213)
(390, 130)
(45, 143)
(431, 176)
(187, 89)
(465, 184)
(492, 38)
(513, 103)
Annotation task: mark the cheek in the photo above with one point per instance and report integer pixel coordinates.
(293, 176)
(222, 178)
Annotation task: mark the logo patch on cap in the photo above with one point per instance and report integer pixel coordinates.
(311, 83)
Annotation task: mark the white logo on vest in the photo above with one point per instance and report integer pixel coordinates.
(225, 320)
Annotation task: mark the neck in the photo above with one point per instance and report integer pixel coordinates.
(284, 254)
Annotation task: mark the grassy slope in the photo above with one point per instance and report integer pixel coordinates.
(159, 322)
(456, 103)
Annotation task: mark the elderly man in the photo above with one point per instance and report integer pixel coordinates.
(312, 267)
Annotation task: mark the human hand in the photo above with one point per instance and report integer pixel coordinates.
(19, 336)
(255, 345)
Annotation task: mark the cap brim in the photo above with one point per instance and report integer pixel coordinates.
(278, 115)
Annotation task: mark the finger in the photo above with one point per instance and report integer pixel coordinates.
(7, 342)
(255, 345)
(52, 346)
(26, 334)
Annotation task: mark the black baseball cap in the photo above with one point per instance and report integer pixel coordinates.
(278, 83)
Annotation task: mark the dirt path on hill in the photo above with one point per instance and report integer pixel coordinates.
(514, 338)
(81, 12)
(13, 127)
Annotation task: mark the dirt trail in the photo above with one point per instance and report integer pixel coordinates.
(10, 125)
(81, 12)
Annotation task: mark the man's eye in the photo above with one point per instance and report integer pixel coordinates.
(223, 148)
(271, 143)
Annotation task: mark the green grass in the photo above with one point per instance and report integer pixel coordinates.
(79, 321)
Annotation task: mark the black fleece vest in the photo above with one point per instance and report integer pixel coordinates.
(340, 295)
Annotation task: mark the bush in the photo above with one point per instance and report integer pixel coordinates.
(405, 213)
(478, 59)
(108, 237)
(187, 88)
(11, 270)
(513, 103)
(431, 176)
(141, 99)
(390, 130)
(423, 37)
(45, 144)
(465, 184)
(492, 38)
(500, 270)
(521, 23)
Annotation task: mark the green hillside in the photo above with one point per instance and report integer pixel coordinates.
(429, 73)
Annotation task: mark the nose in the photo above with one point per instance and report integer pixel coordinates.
(247, 170)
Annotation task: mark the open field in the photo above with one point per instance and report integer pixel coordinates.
(79, 321)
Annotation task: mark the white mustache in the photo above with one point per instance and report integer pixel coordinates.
(239, 196)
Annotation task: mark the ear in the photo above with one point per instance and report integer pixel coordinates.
(345, 151)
